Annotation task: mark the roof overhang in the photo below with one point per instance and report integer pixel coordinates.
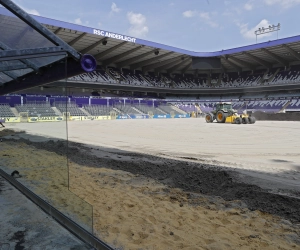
(31, 55)
(124, 51)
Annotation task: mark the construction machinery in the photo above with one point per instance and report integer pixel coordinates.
(224, 113)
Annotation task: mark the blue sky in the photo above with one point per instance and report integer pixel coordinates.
(196, 25)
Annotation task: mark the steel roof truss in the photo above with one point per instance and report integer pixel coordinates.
(75, 40)
(293, 52)
(25, 17)
(242, 63)
(186, 68)
(28, 63)
(276, 57)
(160, 64)
(56, 32)
(12, 67)
(170, 64)
(258, 60)
(11, 75)
(94, 45)
(104, 53)
(134, 59)
(177, 66)
(154, 59)
(118, 57)
(232, 63)
(7, 55)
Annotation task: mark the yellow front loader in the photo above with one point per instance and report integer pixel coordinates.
(225, 114)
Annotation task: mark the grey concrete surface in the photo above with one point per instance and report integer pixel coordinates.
(23, 225)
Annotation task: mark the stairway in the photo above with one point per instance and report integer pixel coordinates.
(198, 108)
(140, 112)
(14, 110)
(284, 107)
(178, 110)
(162, 111)
(57, 112)
(84, 111)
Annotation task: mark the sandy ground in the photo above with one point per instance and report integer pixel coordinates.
(135, 209)
(267, 150)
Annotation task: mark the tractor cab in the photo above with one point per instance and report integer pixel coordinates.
(226, 106)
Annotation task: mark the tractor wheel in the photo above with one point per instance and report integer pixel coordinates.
(209, 118)
(238, 120)
(252, 120)
(245, 120)
(221, 116)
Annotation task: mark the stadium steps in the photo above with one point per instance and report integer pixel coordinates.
(178, 110)
(273, 76)
(111, 76)
(161, 111)
(135, 109)
(198, 108)
(57, 112)
(15, 112)
(284, 107)
(262, 80)
(84, 111)
(241, 107)
(146, 80)
(117, 110)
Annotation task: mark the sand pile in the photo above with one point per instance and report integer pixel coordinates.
(133, 211)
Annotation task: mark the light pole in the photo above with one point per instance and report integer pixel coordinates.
(269, 29)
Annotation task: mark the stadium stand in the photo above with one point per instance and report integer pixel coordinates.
(5, 111)
(188, 81)
(126, 109)
(145, 109)
(72, 108)
(98, 110)
(35, 110)
(168, 109)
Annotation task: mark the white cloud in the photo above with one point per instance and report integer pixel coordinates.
(78, 21)
(189, 13)
(283, 3)
(205, 16)
(248, 6)
(138, 26)
(30, 11)
(249, 33)
(114, 8)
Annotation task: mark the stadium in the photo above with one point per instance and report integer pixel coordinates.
(105, 145)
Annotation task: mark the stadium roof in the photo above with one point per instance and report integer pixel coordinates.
(128, 52)
(30, 54)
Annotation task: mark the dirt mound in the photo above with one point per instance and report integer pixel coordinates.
(291, 116)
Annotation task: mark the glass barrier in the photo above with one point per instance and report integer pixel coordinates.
(34, 149)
